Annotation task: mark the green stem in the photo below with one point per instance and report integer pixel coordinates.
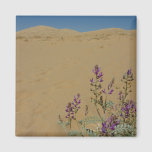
(105, 107)
(126, 90)
(70, 123)
(96, 98)
(104, 115)
(79, 127)
(98, 111)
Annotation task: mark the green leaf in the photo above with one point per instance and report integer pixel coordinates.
(67, 123)
(61, 123)
(90, 120)
(124, 130)
(109, 104)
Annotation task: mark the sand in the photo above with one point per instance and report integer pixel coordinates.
(55, 64)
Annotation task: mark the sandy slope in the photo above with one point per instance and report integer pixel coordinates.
(55, 64)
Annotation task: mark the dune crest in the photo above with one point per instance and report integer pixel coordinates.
(44, 32)
(50, 32)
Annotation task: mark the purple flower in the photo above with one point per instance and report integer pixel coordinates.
(79, 102)
(104, 91)
(110, 123)
(73, 107)
(132, 106)
(69, 110)
(113, 126)
(96, 69)
(101, 80)
(128, 106)
(128, 75)
(129, 72)
(117, 122)
(128, 109)
(122, 109)
(100, 75)
(111, 91)
(104, 128)
(91, 80)
(75, 99)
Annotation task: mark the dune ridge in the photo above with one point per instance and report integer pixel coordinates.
(50, 32)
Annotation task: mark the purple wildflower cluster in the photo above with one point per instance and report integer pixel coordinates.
(127, 78)
(109, 89)
(72, 108)
(97, 71)
(109, 92)
(109, 124)
(121, 114)
(128, 109)
(98, 91)
(128, 75)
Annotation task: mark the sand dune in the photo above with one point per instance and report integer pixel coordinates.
(55, 64)
(45, 32)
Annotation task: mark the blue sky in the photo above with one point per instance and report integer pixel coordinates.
(78, 23)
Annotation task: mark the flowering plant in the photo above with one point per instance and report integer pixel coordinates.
(98, 92)
(120, 121)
